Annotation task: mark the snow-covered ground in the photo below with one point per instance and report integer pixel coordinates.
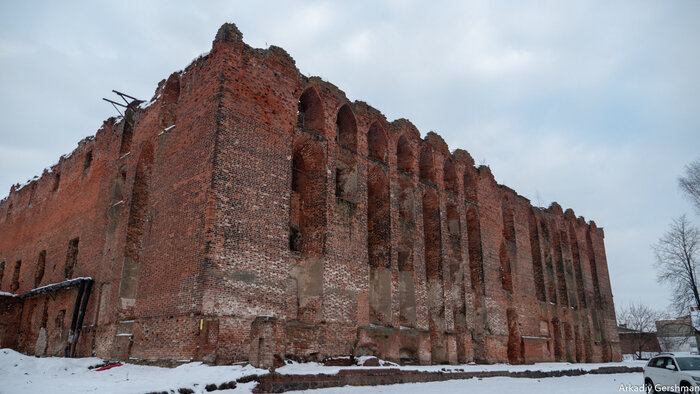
(27, 374)
(598, 384)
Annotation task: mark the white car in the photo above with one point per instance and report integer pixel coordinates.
(673, 373)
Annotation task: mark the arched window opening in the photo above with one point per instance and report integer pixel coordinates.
(347, 128)
(308, 203)
(426, 165)
(310, 112)
(404, 155)
(377, 142)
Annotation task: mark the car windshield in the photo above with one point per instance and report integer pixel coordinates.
(689, 363)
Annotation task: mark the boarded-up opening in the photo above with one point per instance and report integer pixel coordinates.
(71, 258)
(378, 250)
(404, 155)
(40, 268)
(377, 142)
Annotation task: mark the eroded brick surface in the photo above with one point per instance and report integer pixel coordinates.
(251, 213)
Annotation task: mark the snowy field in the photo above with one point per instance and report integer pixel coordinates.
(26, 374)
(598, 384)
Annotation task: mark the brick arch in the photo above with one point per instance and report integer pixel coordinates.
(346, 128)
(426, 164)
(449, 176)
(405, 157)
(308, 202)
(377, 142)
(310, 114)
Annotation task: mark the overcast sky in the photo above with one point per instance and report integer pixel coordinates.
(595, 105)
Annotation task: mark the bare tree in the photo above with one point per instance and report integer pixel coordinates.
(640, 320)
(677, 254)
(690, 183)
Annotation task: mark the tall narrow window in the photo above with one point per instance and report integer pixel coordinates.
(476, 260)
(432, 239)
(136, 227)
(88, 161)
(404, 155)
(8, 213)
(346, 168)
(378, 240)
(450, 176)
(56, 181)
(576, 254)
(597, 296)
(407, 294)
(426, 165)
(538, 272)
(71, 258)
(40, 268)
(2, 272)
(507, 252)
(14, 286)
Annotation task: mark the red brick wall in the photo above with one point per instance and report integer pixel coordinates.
(248, 231)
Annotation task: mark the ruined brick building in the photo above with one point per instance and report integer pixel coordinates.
(248, 212)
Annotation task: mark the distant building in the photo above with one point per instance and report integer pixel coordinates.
(638, 343)
(676, 335)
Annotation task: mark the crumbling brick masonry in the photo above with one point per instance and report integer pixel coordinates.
(250, 213)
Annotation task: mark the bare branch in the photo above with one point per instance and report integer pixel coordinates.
(690, 183)
(677, 254)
